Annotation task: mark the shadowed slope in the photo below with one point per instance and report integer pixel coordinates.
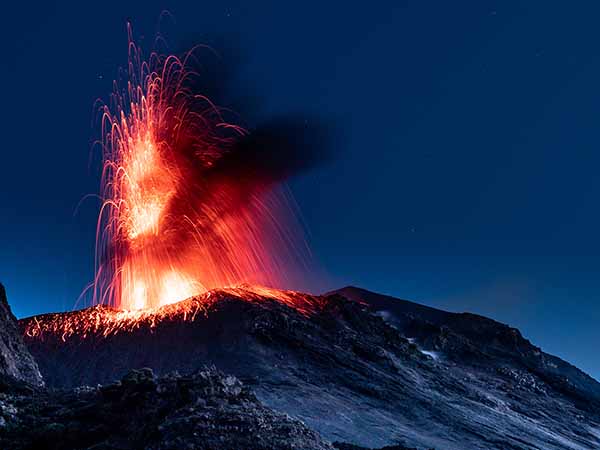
(466, 337)
(206, 411)
(15, 359)
(417, 376)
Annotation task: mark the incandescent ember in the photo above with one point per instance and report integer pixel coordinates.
(191, 201)
(104, 321)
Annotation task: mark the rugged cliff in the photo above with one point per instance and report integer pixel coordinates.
(15, 359)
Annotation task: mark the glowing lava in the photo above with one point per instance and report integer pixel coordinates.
(179, 215)
(102, 321)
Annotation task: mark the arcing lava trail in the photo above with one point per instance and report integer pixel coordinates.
(190, 201)
(104, 321)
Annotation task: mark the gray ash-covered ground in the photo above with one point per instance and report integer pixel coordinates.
(361, 369)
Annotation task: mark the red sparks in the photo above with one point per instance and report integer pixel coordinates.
(102, 321)
(174, 221)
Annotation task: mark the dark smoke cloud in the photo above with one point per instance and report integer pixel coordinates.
(303, 140)
(271, 151)
(276, 150)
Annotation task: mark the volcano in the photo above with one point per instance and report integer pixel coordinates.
(355, 366)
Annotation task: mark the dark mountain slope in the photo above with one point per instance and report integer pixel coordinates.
(205, 410)
(15, 360)
(470, 338)
(413, 375)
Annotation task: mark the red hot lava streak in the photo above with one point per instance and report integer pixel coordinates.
(178, 216)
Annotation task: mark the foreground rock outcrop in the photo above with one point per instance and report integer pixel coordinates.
(354, 366)
(15, 359)
(205, 410)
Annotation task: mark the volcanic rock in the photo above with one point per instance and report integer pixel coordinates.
(15, 359)
(206, 410)
(355, 366)
(346, 446)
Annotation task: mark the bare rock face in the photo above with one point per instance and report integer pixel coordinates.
(206, 410)
(15, 359)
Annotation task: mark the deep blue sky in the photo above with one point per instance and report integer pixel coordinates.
(467, 146)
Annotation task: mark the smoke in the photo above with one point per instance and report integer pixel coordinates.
(193, 199)
(245, 164)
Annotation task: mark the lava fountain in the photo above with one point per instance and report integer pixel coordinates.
(188, 201)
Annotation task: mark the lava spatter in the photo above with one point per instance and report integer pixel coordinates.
(184, 209)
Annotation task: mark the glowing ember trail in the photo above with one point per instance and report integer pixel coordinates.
(102, 321)
(180, 214)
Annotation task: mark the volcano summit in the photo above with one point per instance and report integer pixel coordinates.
(355, 366)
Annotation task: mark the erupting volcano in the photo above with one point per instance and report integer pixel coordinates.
(190, 199)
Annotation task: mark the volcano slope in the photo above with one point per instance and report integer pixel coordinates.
(353, 365)
(206, 410)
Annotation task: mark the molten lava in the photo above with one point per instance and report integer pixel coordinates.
(181, 214)
(102, 321)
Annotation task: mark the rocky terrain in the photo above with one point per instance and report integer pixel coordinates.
(15, 359)
(354, 366)
(206, 410)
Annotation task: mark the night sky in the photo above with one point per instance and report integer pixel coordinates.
(466, 143)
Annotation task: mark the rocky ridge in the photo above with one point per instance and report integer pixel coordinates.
(206, 410)
(360, 368)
